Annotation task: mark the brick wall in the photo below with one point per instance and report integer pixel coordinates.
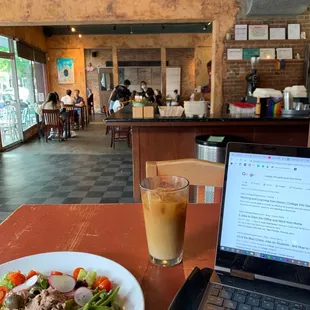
(293, 74)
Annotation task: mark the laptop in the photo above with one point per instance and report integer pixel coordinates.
(263, 249)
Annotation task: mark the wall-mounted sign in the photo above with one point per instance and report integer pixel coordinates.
(65, 70)
(234, 54)
(293, 31)
(250, 52)
(258, 32)
(277, 33)
(267, 53)
(241, 32)
(284, 53)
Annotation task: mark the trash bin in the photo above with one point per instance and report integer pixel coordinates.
(213, 148)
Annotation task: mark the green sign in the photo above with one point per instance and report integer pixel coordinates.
(250, 52)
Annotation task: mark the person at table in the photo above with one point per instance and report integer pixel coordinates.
(147, 92)
(51, 103)
(78, 103)
(120, 91)
(158, 97)
(68, 99)
(176, 99)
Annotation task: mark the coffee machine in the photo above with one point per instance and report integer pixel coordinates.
(252, 78)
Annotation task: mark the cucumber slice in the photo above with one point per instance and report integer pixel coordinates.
(90, 278)
(82, 275)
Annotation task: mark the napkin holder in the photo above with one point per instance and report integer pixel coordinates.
(137, 112)
(148, 112)
(176, 111)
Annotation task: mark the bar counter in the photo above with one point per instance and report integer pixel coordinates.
(163, 138)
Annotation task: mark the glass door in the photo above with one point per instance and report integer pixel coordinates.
(10, 116)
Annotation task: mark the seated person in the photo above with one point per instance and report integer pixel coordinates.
(51, 103)
(78, 102)
(176, 99)
(68, 100)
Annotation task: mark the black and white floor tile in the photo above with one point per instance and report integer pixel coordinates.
(63, 179)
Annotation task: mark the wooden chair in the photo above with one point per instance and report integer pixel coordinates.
(70, 109)
(52, 120)
(106, 114)
(198, 172)
(120, 134)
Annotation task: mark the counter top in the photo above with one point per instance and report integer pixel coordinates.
(126, 117)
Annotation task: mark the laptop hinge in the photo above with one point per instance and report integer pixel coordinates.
(242, 274)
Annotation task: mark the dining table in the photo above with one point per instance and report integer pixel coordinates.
(114, 231)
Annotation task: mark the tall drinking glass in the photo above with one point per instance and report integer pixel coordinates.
(164, 200)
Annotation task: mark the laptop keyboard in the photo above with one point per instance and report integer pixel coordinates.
(223, 297)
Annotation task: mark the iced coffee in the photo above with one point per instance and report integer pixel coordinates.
(164, 206)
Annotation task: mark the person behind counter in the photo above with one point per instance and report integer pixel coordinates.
(120, 91)
(147, 92)
(207, 88)
(158, 97)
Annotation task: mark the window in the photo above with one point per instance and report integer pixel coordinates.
(22, 87)
(4, 44)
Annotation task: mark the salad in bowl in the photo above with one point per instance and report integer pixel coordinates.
(81, 290)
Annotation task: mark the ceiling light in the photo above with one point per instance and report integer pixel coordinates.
(204, 27)
(114, 28)
(80, 36)
(209, 23)
(131, 32)
(73, 29)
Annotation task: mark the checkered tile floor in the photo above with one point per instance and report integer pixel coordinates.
(63, 179)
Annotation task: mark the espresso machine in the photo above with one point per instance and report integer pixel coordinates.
(252, 78)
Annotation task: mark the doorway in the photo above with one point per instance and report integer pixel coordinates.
(106, 85)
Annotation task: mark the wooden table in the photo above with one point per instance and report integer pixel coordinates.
(115, 231)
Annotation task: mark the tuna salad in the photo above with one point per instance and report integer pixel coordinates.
(59, 291)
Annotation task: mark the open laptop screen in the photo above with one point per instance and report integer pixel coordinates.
(266, 211)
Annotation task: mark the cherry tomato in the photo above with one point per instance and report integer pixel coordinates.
(103, 283)
(17, 278)
(56, 273)
(3, 292)
(31, 273)
(76, 272)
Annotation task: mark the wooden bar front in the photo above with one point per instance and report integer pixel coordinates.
(167, 140)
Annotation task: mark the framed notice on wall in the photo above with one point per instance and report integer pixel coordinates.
(258, 32)
(293, 31)
(277, 33)
(65, 70)
(241, 32)
(234, 54)
(284, 53)
(267, 53)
